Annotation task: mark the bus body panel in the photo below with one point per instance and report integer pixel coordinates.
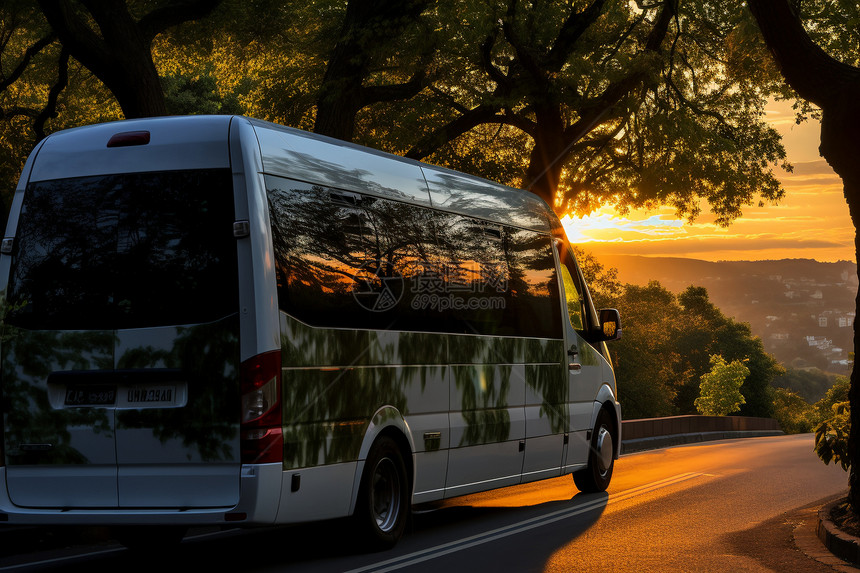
(260, 325)
(198, 143)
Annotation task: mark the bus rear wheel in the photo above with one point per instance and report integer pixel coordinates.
(384, 496)
(601, 457)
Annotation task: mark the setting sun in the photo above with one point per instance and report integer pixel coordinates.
(811, 222)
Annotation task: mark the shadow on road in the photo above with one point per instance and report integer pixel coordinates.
(330, 546)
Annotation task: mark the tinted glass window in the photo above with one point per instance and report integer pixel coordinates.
(125, 251)
(352, 261)
(498, 280)
(346, 260)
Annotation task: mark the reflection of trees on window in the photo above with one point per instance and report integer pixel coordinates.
(207, 355)
(332, 246)
(534, 284)
(28, 357)
(125, 251)
(319, 250)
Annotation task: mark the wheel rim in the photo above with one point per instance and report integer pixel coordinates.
(385, 494)
(605, 450)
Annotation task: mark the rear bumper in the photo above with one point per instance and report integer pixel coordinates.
(260, 490)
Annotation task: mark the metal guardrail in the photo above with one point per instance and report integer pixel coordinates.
(651, 433)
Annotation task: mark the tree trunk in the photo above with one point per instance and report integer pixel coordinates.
(548, 155)
(840, 126)
(136, 85)
(120, 54)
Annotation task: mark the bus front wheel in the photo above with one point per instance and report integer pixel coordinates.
(597, 475)
(383, 500)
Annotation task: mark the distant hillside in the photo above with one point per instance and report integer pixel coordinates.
(802, 309)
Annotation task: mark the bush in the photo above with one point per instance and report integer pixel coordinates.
(834, 395)
(831, 436)
(720, 389)
(794, 414)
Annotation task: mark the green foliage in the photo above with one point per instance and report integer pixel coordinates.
(835, 394)
(831, 436)
(647, 355)
(706, 331)
(810, 383)
(197, 96)
(603, 282)
(720, 389)
(794, 414)
(668, 342)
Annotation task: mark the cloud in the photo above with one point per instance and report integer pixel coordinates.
(749, 246)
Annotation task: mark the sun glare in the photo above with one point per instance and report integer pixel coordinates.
(604, 226)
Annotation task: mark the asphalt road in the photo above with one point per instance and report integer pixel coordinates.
(720, 506)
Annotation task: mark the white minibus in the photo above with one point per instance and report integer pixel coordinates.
(215, 320)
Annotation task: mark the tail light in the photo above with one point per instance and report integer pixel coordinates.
(262, 439)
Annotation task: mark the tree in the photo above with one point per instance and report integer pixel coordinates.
(703, 331)
(631, 103)
(832, 437)
(647, 356)
(720, 389)
(119, 50)
(833, 85)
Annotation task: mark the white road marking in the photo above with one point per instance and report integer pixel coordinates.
(60, 559)
(502, 532)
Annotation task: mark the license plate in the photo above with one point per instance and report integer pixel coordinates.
(90, 396)
(150, 395)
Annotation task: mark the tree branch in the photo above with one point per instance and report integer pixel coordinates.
(375, 94)
(50, 110)
(76, 36)
(596, 111)
(173, 14)
(807, 68)
(525, 57)
(571, 31)
(428, 144)
(18, 111)
(487, 60)
(31, 51)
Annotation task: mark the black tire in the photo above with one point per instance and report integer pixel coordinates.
(383, 496)
(601, 459)
(145, 537)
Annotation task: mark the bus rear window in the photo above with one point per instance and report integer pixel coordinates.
(121, 251)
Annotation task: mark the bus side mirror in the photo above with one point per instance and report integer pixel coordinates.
(610, 324)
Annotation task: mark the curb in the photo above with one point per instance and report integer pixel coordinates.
(843, 545)
(656, 442)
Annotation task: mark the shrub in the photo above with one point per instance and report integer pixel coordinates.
(831, 436)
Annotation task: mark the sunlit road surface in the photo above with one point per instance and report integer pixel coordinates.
(718, 506)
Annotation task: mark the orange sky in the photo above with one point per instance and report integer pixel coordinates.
(810, 222)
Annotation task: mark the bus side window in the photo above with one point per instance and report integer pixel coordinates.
(572, 294)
